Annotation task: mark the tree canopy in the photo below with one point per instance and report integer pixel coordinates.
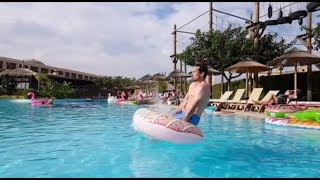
(114, 82)
(225, 48)
(316, 33)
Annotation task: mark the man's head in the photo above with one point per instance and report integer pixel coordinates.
(199, 72)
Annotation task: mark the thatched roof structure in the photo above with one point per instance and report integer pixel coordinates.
(249, 66)
(20, 72)
(293, 56)
(159, 77)
(145, 79)
(213, 71)
(177, 73)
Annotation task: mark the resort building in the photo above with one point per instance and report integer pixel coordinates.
(39, 67)
(81, 81)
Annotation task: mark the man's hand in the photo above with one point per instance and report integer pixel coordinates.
(175, 111)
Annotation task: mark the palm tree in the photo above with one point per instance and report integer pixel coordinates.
(41, 77)
(66, 89)
(47, 89)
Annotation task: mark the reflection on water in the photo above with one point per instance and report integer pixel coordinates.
(20, 100)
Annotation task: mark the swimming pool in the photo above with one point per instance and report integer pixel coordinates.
(78, 138)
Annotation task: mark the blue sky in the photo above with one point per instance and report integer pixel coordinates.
(129, 39)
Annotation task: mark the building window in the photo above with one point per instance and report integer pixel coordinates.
(1, 63)
(60, 73)
(80, 76)
(86, 77)
(91, 78)
(73, 75)
(11, 65)
(67, 74)
(44, 70)
(35, 69)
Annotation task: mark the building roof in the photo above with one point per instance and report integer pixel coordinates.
(34, 61)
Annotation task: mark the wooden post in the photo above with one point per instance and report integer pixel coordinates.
(222, 78)
(309, 70)
(210, 16)
(174, 54)
(295, 79)
(209, 75)
(185, 79)
(180, 77)
(175, 47)
(247, 92)
(254, 83)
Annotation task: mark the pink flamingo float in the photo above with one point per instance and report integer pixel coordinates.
(122, 99)
(35, 101)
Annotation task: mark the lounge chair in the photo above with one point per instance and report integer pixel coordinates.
(223, 98)
(254, 96)
(219, 102)
(236, 98)
(266, 98)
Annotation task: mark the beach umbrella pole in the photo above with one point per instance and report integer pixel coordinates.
(247, 83)
(222, 78)
(295, 79)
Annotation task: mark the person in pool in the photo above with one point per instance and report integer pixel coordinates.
(197, 97)
(50, 101)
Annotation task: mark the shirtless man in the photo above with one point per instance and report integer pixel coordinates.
(196, 99)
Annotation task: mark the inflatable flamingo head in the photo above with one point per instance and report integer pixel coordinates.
(30, 94)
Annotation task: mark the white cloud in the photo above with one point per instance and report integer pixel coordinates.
(128, 39)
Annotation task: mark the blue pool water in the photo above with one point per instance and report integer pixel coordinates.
(77, 138)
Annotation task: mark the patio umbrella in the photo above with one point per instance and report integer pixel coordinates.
(159, 77)
(133, 87)
(293, 57)
(247, 66)
(177, 73)
(213, 71)
(146, 79)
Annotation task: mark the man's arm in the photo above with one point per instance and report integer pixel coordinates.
(194, 105)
